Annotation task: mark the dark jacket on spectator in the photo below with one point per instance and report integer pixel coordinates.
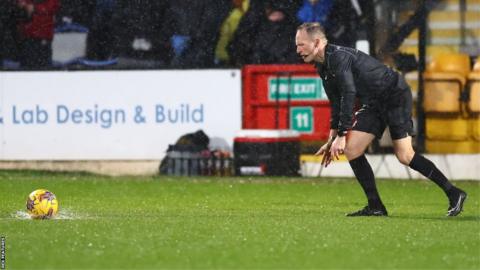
(240, 47)
(259, 40)
(8, 18)
(200, 21)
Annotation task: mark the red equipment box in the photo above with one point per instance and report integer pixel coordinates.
(285, 97)
(266, 152)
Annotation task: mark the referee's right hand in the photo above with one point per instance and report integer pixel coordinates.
(325, 151)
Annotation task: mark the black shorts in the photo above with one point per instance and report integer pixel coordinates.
(395, 111)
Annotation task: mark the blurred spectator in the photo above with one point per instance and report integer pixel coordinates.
(77, 11)
(7, 29)
(269, 39)
(240, 47)
(315, 11)
(229, 26)
(138, 26)
(35, 32)
(193, 27)
(179, 27)
(101, 36)
(346, 22)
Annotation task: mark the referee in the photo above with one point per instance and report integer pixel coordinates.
(385, 100)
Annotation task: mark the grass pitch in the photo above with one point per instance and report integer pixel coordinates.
(234, 223)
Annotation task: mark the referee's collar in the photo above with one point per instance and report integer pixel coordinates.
(329, 49)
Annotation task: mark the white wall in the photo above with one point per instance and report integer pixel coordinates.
(113, 115)
(454, 166)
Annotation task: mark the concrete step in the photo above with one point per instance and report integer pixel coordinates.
(456, 2)
(447, 33)
(441, 15)
(449, 19)
(432, 50)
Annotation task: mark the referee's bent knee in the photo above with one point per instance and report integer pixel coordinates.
(352, 154)
(405, 157)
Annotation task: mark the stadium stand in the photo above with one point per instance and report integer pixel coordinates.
(474, 99)
(449, 103)
(445, 33)
(445, 80)
(451, 87)
(445, 29)
(474, 88)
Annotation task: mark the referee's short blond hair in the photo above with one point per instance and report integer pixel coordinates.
(313, 29)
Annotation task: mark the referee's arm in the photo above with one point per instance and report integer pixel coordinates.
(342, 68)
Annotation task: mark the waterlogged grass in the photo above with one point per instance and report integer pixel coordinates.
(234, 223)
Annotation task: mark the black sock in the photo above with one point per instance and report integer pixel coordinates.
(424, 166)
(364, 173)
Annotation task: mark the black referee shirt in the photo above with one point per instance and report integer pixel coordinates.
(347, 74)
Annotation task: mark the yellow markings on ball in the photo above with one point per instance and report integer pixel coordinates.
(42, 204)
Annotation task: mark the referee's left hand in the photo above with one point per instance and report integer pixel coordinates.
(338, 147)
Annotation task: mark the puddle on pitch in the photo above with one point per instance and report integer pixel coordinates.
(63, 214)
